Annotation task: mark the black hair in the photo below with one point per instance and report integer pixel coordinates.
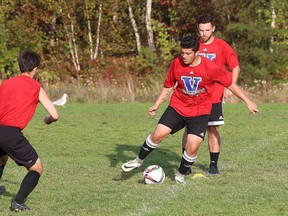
(28, 60)
(205, 18)
(190, 42)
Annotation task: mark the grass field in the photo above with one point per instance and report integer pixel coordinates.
(83, 152)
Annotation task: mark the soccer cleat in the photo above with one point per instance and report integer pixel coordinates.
(130, 165)
(189, 172)
(17, 207)
(2, 190)
(213, 169)
(179, 178)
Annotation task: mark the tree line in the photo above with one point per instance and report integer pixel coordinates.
(78, 38)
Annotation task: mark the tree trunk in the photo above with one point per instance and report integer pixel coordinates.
(149, 26)
(273, 16)
(98, 34)
(89, 33)
(134, 25)
(72, 45)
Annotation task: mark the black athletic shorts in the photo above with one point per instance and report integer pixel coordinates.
(216, 116)
(194, 125)
(16, 146)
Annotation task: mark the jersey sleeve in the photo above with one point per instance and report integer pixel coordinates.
(170, 79)
(218, 75)
(229, 56)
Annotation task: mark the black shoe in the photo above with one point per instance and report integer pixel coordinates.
(17, 207)
(189, 172)
(213, 169)
(2, 190)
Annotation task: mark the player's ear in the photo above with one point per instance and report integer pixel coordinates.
(213, 28)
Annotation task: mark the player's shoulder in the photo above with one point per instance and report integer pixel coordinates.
(177, 58)
(221, 42)
(177, 61)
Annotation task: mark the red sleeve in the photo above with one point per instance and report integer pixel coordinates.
(170, 79)
(229, 55)
(218, 75)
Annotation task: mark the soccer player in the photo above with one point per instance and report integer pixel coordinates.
(190, 104)
(223, 55)
(19, 97)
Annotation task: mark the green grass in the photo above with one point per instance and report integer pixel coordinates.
(83, 152)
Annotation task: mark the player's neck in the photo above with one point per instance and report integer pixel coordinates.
(28, 74)
(196, 61)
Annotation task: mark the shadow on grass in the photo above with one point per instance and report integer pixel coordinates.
(6, 193)
(168, 160)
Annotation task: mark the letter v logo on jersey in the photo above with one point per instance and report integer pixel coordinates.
(191, 83)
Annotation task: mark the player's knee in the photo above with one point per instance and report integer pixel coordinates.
(213, 129)
(157, 138)
(38, 167)
(191, 152)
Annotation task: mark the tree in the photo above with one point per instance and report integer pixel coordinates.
(93, 52)
(149, 26)
(134, 25)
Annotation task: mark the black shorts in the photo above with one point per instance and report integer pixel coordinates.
(16, 146)
(194, 125)
(216, 116)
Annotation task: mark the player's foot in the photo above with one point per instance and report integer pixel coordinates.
(213, 169)
(189, 172)
(179, 178)
(130, 165)
(2, 190)
(17, 207)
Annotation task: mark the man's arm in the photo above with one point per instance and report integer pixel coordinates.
(235, 76)
(164, 94)
(47, 104)
(252, 107)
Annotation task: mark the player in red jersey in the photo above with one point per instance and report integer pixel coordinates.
(19, 97)
(223, 55)
(191, 77)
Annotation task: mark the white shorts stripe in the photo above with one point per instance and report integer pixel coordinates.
(215, 123)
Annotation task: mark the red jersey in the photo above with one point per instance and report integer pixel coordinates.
(223, 55)
(192, 95)
(19, 97)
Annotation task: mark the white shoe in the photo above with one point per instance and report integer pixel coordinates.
(179, 178)
(130, 165)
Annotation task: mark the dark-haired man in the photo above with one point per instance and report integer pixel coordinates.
(190, 104)
(19, 97)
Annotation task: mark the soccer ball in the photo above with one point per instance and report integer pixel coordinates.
(154, 174)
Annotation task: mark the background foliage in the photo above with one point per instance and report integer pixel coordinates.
(257, 30)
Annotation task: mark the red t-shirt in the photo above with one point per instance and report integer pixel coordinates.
(223, 55)
(19, 97)
(192, 96)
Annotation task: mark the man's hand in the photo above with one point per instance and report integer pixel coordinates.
(227, 94)
(153, 109)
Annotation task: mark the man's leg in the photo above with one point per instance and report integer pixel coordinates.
(214, 142)
(28, 184)
(3, 161)
(196, 129)
(189, 156)
(184, 141)
(152, 141)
